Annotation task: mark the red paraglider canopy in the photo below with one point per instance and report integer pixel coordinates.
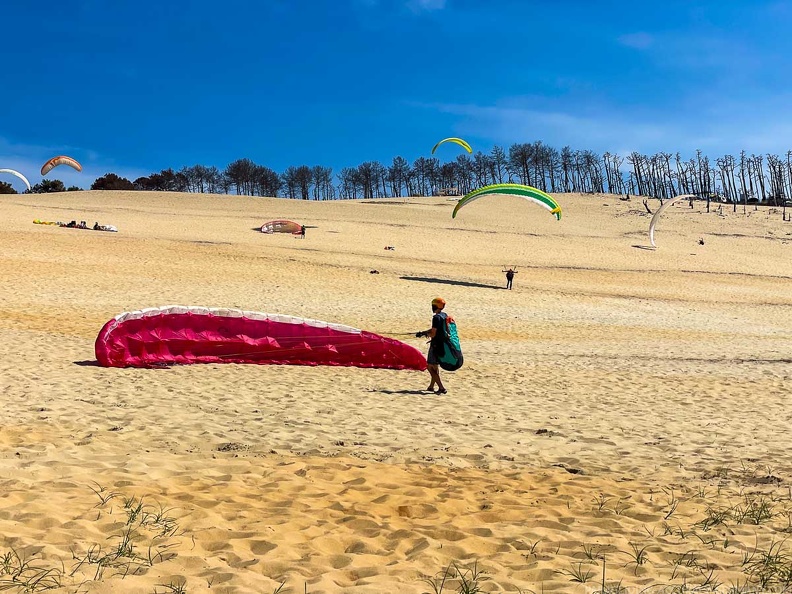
(182, 335)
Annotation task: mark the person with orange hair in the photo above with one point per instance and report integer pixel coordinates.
(437, 338)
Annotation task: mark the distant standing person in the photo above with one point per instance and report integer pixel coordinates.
(302, 231)
(509, 277)
(437, 335)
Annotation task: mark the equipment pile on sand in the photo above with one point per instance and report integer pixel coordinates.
(80, 225)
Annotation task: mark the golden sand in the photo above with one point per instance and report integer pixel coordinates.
(620, 403)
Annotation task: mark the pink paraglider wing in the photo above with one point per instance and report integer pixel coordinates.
(184, 335)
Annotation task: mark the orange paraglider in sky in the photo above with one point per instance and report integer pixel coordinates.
(59, 160)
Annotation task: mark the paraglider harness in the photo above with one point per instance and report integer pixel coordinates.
(446, 347)
(451, 359)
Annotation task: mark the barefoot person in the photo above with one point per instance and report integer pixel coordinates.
(437, 335)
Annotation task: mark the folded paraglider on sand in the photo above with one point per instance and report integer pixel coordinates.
(81, 225)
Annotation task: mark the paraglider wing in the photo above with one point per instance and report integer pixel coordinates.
(528, 192)
(458, 141)
(281, 226)
(656, 216)
(59, 160)
(19, 175)
(183, 335)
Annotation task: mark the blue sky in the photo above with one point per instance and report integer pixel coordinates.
(135, 87)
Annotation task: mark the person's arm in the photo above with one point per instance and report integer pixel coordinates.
(428, 333)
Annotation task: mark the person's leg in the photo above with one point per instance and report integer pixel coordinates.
(432, 369)
(434, 373)
(431, 363)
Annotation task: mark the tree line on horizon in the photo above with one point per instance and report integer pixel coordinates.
(743, 179)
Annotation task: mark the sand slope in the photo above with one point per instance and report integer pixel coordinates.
(613, 384)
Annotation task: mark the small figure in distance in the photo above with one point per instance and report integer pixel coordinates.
(437, 336)
(96, 226)
(509, 277)
(302, 231)
(701, 241)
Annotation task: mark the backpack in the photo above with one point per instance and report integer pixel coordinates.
(451, 358)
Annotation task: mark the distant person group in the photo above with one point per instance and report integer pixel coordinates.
(84, 225)
(75, 225)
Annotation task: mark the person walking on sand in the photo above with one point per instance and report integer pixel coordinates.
(509, 277)
(302, 231)
(437, 336)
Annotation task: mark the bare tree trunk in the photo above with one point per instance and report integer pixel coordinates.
(742, 182)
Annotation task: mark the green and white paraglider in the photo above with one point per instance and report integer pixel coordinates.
(530, 193)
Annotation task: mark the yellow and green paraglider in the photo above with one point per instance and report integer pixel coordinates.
(528, 192)
(458, 141)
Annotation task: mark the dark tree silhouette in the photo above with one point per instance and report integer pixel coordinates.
(200, 179)
(303, 177)
(241, 175)
(166, 180)
(323, 183)
(6, 188)
(499, 165)
(47, 186)
(398, 176)
(749, 179)
(111, 181)
(290, 182)
(267, 182)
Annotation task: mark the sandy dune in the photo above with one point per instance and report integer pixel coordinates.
(619, 400)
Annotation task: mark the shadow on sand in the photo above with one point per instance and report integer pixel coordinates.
(446, 281)
(402, 392)
(152, 366)
(644, 247)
